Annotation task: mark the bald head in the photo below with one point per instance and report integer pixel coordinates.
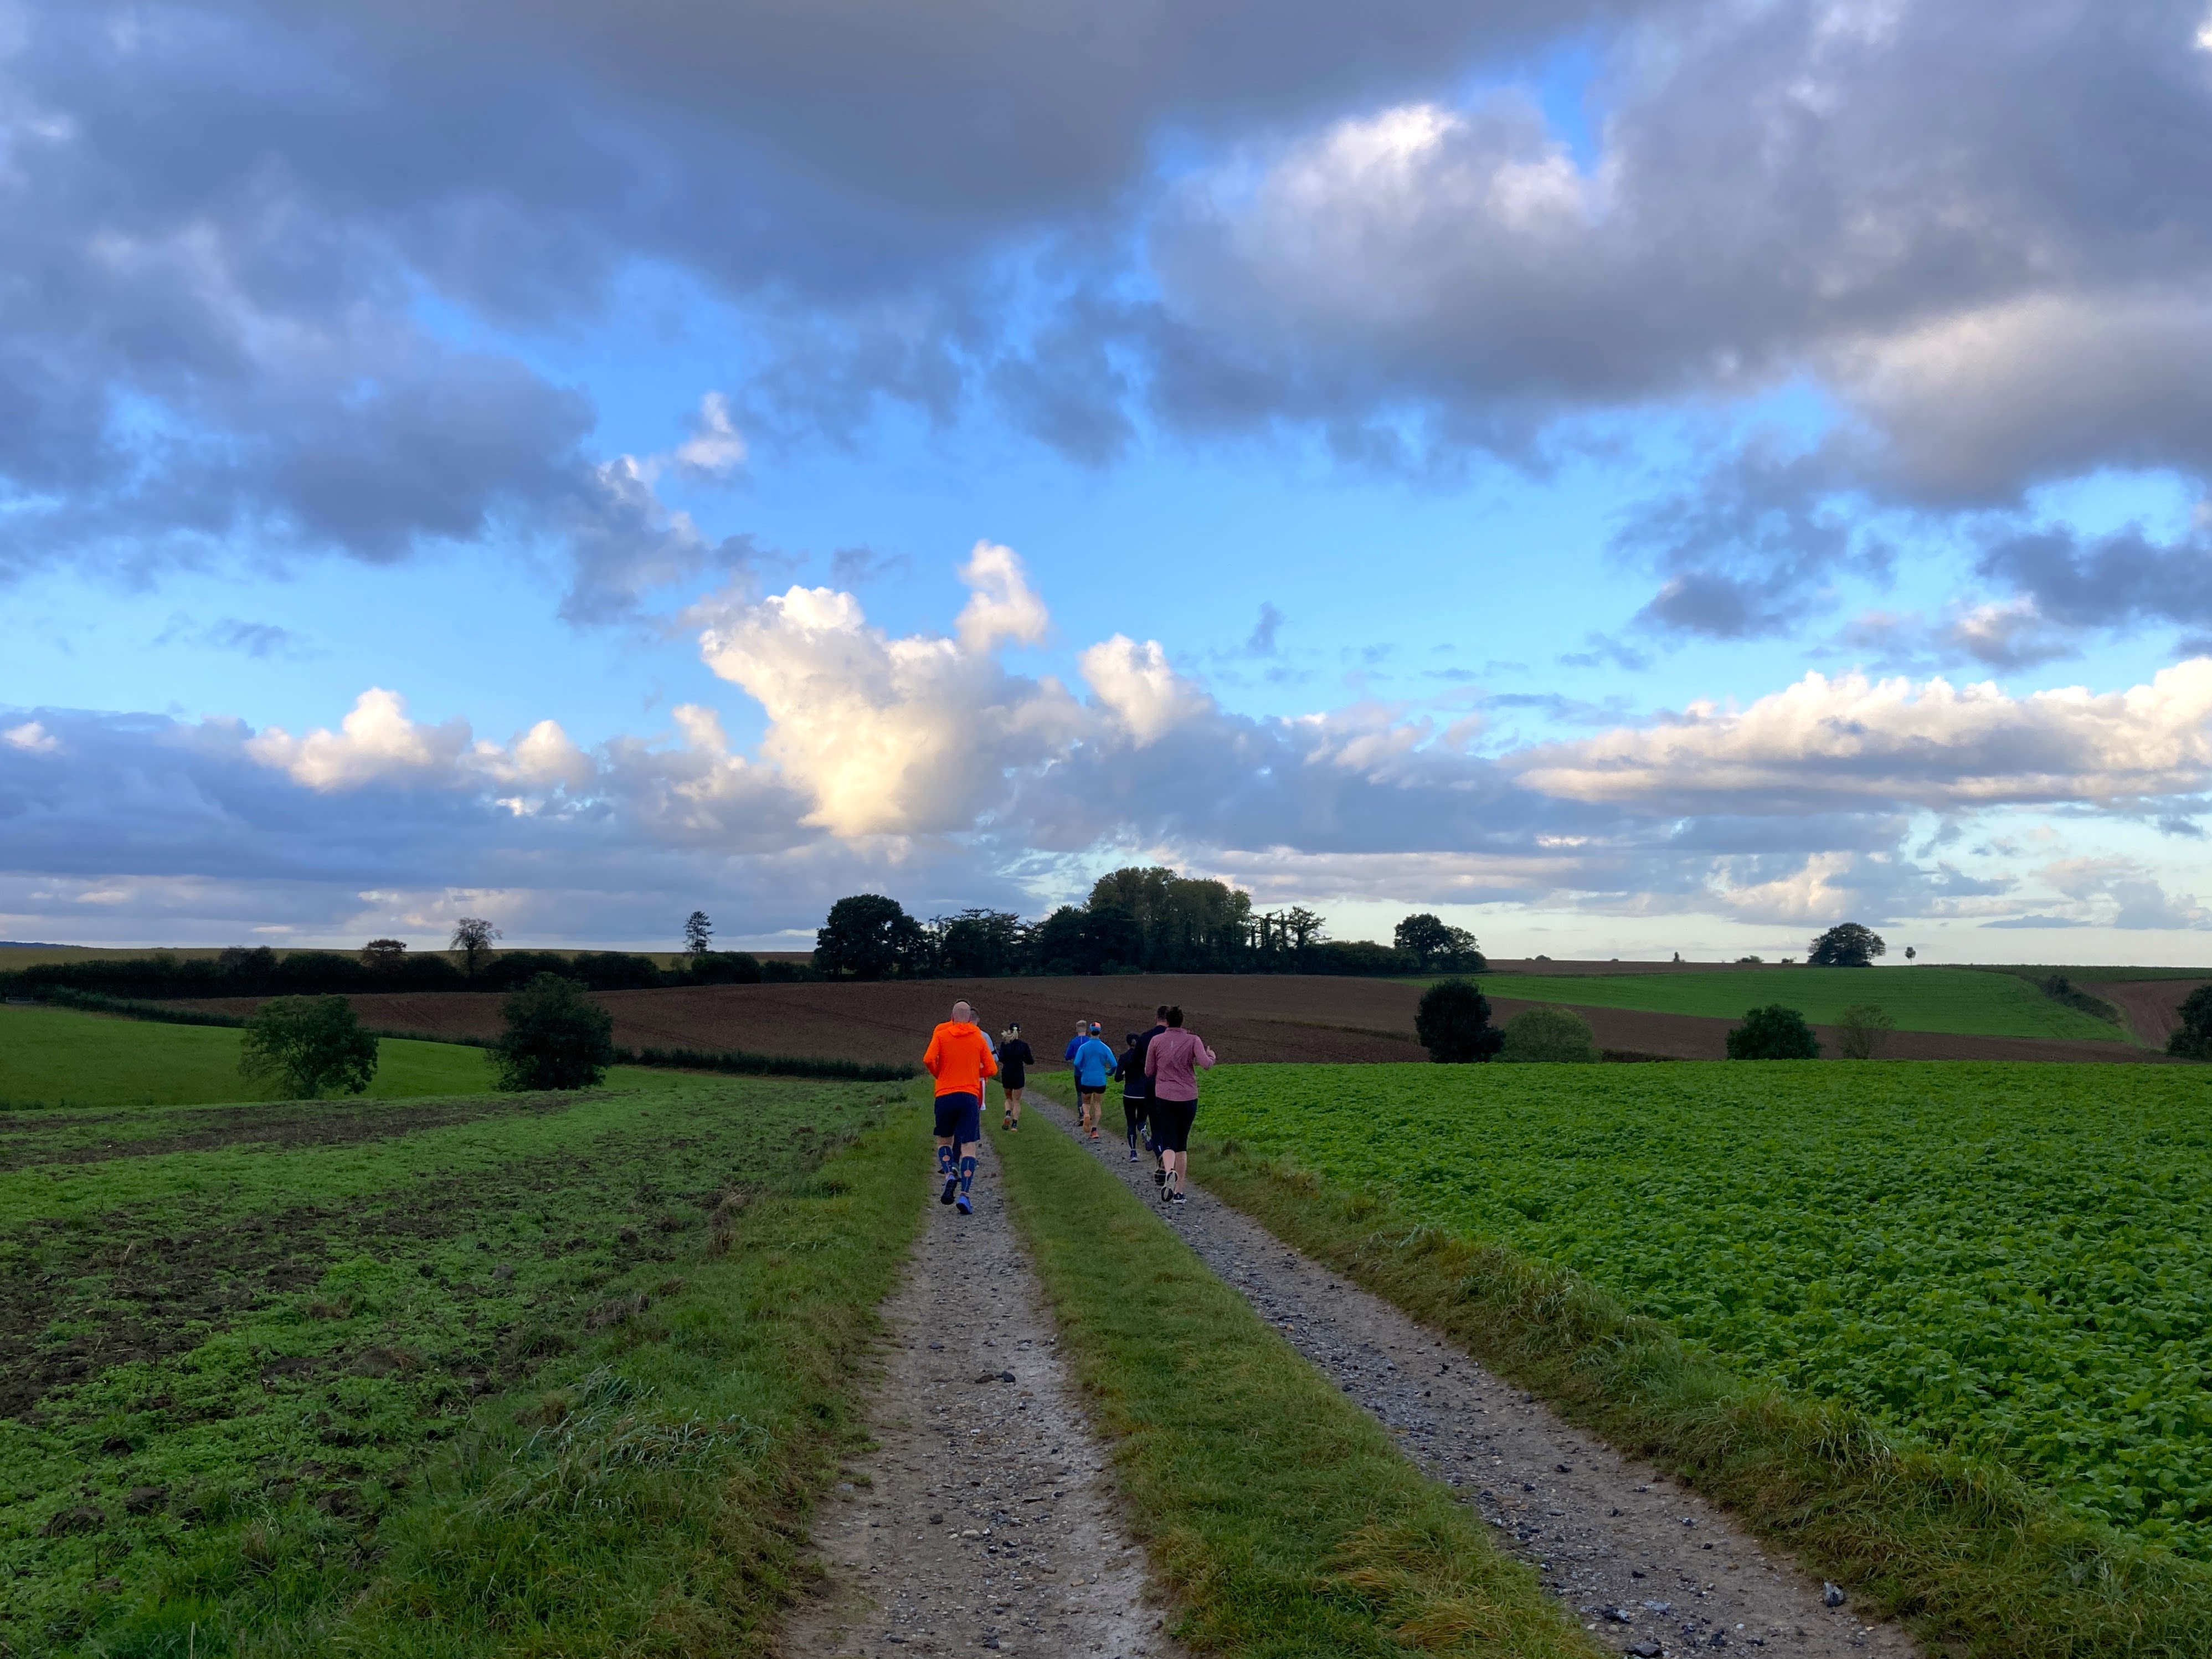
(963, 1014)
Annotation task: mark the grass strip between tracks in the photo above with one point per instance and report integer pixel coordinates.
(1281, 1514)
(646, 1493)
(1960, 1550)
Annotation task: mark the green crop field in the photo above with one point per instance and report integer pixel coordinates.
(56, 1057)
(1963, 1000)
(2011, 1259)
(538, 1372)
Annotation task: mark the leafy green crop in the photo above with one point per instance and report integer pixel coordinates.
(2011, 1259)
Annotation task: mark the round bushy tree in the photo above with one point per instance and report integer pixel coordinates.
(309, 1044)
(2192, 1039)
(1454, 1024)
(1847, 944)
(554, 1039)
(1774, 1032)
(1548, 1034)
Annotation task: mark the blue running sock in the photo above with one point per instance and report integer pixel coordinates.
(967, 1173)
(944, 1161)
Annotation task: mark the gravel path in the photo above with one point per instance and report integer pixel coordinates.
(1650, 1567)
(982, 1519)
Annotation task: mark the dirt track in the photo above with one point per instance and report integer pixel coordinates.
(1302, 1019)
(1647, 1565)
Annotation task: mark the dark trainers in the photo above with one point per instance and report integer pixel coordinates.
(1177, 1199)
(1132, 1154)
(951, 1186)
(966, 1208)
(1159, 1177)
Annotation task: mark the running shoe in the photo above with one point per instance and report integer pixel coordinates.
(965, 1207)
(951, 1186)
(1177, 1199)
(1132, 1154)
(1159, 1177)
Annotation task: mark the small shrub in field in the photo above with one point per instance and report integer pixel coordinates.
(1774, 1032)
(1454, 1024)
(1860, 1030)
(554, 1038)
(1537, 1035)
(309, 1044)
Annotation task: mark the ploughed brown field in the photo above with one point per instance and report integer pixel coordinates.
(1248, 1018)
(2153, 1006)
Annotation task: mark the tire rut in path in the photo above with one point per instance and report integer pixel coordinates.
(1646, 1565)
(983, 1518)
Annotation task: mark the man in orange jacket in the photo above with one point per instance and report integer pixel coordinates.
(959, 1057)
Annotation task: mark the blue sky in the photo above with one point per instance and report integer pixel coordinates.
(1559, 467)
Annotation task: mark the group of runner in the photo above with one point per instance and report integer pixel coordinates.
(1158, 1072)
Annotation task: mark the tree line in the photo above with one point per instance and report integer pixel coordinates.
(1139, 919)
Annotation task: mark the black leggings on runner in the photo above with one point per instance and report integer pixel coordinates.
(1136, 1114)
(1171, 1121)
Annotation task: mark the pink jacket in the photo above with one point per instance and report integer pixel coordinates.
(1173, 1061)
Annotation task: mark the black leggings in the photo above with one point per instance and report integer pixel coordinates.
(1134, 1114)
(1171, 1121)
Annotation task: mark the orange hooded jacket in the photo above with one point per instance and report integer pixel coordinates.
(959, 1057)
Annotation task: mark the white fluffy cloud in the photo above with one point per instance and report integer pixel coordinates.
(1139, 688)
(888, 736)
(377, 743)
(31, 738)
(1853, 740)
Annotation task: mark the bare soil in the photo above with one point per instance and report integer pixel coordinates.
(982, 1518)
(1308, 1019)
(1647, 1565)
(2153, 1006)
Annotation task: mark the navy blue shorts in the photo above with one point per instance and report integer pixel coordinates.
(959, 1118)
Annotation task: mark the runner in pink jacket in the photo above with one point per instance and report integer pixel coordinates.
(1173, 1060)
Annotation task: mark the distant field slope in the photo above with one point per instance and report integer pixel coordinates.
(1955, 999)
(2011, 1259)
(54, 1056)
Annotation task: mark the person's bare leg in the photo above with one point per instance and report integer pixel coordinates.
(1013, 1100)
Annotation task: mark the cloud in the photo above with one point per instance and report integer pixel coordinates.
(378, 744)
(31, 738)
(1001, 604)
(893, 736)
(716, 447)
(1932, 745)
(1262, 642)
(251, 639)
(1140, 689)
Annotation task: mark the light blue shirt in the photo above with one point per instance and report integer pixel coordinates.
(1094, 1064)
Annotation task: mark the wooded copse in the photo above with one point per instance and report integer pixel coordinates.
(1137, 920)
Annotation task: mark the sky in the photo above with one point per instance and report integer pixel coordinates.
(1631, 478)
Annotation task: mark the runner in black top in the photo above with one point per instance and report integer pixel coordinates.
(1014, 1062)
(1137, 1090)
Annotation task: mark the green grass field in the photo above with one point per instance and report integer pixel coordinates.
(1963, 1000)
(56, 1057)
(2013, 1261)
(459, 1376)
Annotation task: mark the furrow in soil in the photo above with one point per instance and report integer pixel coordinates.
(1647, 1565)
(982, 1519)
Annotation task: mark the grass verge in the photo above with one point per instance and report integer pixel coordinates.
(565, 1379)
(1967, 1555)
(1280, 1514)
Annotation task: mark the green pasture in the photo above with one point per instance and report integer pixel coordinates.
(457, 1376)
(1963, 1000)
(56, 1056)
(2010, 1260)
